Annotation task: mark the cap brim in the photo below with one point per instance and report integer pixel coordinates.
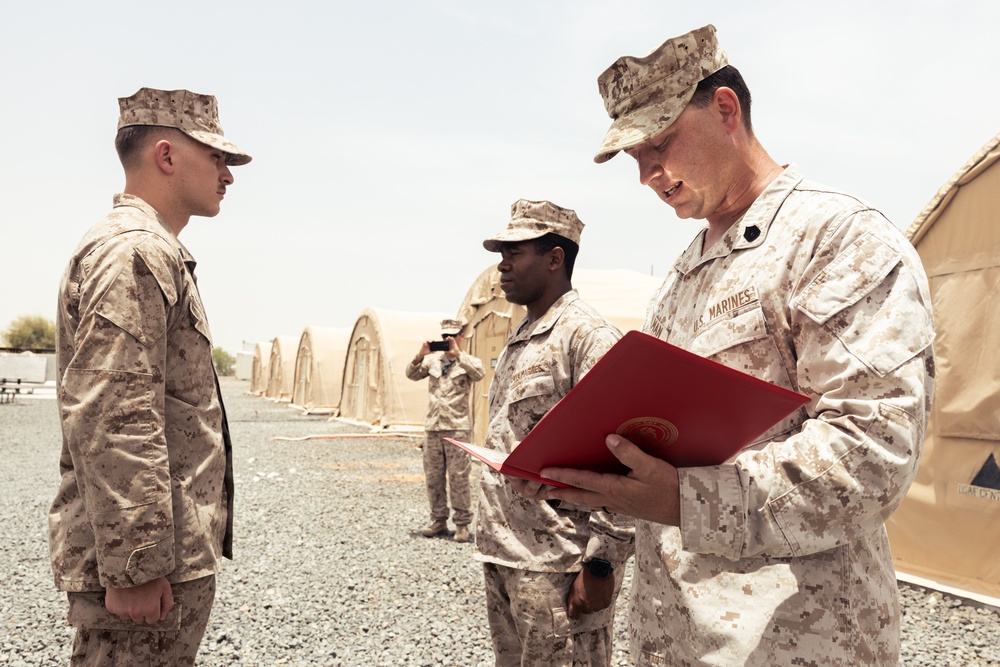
(642, 124)
(512, 236)
(619, 139)
(234, 156)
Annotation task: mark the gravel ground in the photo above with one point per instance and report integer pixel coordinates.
(329, 569)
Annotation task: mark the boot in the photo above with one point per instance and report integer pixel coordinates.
(434, 528)
(462, 534)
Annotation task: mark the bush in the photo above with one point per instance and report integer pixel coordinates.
(31, 332)
(224, 362)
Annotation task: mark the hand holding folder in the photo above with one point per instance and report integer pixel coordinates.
(675, 405)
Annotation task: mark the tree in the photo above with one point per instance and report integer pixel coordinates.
(223, 361)
(31, 332)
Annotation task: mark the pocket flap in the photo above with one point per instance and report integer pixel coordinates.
(848, 278)
(135, 302)
(199, 319)
(725, 333)
(533, 385)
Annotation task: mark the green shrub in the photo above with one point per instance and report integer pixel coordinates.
(224, 362)
(30, 332)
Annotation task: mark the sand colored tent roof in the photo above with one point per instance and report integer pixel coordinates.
(319, 368)
(945, 531)
(620, 295)
(281, 370)
(375, 388)
(261, 368)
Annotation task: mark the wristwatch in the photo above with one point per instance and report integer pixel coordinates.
(598, 567)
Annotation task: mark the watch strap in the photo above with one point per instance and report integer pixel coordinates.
(598, 567)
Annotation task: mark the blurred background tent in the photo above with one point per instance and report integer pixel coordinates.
(281, 369)
(260, 368)
(620, 295)
(947, 529)
(319, 368)
(375, 389)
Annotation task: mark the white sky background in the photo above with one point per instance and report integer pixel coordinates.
(390, 138)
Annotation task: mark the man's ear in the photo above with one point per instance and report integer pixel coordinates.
(163, 156)
(729, 108)
(557, 257)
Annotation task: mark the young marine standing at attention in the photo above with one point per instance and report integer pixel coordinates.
(144, 511)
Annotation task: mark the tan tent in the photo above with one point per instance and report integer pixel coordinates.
(319, 368)
(947, 529)
(375, 389)
(261, 368)
(281, 370)
(620, 295)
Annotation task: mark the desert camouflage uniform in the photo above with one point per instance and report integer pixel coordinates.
(447, 417)
(781, 557)
(539, 365)
(102, 638)
(146, 464)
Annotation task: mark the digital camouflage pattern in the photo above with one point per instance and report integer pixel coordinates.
(533, 220)
(520, 603)
(541, 362)
(523, 541)
(448, 392)
(105, 639)
(781, 557)
(446, 472)
(146, 465)
(643, 96)
(193, 114)
(446, 467)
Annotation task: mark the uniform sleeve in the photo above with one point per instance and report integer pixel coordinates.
(612, 536)
(862, 330)
(416, 370)
(587, 349)
(473, 366)
(113, 413)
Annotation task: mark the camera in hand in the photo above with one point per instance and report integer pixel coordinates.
(440, 346)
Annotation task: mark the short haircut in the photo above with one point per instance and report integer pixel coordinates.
(133, 139)
(546, 243)
(727, 77)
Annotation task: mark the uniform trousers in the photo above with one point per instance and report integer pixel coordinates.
(105, 640)
(446, 468)
(530, 625)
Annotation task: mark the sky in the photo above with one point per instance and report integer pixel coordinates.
(390, 138)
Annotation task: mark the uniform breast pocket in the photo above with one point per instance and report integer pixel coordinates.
(742, 326)
(189, 362)
(199, 321)
(460, 381)
(528, 401)
(741, 340)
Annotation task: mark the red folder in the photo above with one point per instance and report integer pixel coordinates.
(682, 408)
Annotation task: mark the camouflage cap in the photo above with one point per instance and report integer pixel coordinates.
(535, 219)
(195, 115)
(645, 95)
(452, 327)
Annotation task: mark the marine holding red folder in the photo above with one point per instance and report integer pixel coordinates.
(779, 556)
